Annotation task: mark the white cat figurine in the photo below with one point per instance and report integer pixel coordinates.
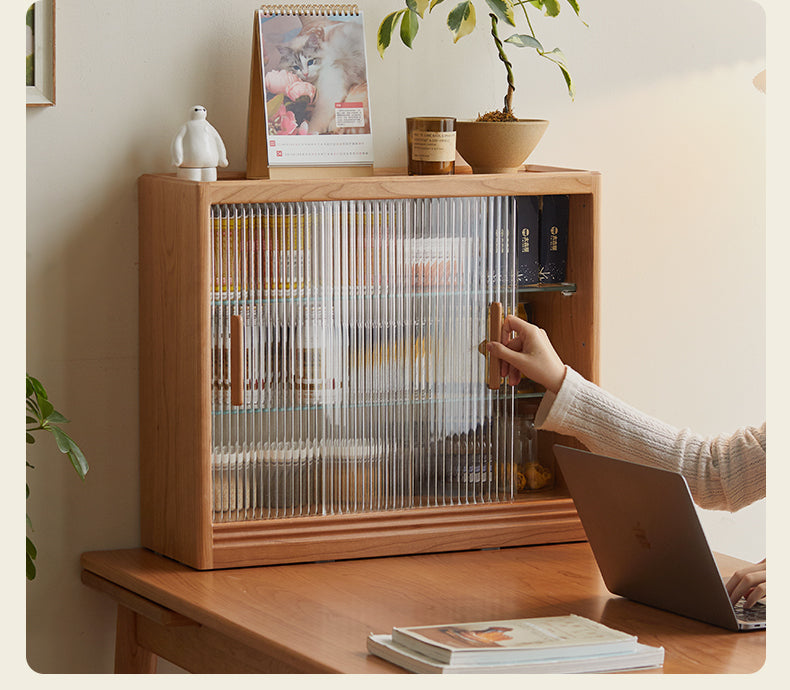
(197, 149)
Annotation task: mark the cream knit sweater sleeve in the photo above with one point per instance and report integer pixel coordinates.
(724, 472)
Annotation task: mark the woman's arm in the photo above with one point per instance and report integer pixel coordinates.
(723, 472)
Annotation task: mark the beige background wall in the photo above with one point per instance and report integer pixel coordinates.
(665, 109)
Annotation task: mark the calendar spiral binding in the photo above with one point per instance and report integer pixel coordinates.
(311, 10)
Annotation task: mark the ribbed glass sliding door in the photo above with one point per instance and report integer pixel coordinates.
(346, 370)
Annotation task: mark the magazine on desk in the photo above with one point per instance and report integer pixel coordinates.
(313, 72)
(557, 644)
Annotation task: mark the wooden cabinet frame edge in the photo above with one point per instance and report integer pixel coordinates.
(411, 531)
(176, 391)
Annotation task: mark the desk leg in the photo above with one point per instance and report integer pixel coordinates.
(129, 656)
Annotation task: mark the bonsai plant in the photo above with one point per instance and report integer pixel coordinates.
(461, 21)
(42, 416)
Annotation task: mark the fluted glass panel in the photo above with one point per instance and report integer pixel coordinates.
(346, 370)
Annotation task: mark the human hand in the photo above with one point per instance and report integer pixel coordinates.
(529, 352)
(748, 582)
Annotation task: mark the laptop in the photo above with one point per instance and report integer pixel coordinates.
(647, 539)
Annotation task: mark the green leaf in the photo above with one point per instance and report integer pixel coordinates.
(525, 41)
(557, 57)
(30, 555)
(434, 3)
(67, 446)
(30, 548)
(32, 407)
(386, 29)
(62, 439)
(409, 26)
(461, 20)
(78, 461)
(418, 6)
(30, 438)
(568, 81)
(46, 408)
(551, 8)
(56, 418)
(575, 5)
(38, 389)
(503, 9)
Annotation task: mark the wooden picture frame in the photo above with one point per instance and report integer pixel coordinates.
(40, 72)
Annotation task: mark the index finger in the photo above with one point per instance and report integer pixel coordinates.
(514, 323)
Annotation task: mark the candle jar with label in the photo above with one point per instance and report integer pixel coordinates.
(431, 145)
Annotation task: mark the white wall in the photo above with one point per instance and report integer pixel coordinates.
(665, 109)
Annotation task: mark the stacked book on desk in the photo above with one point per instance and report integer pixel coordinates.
(556, 644)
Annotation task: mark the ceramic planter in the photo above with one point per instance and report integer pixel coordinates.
(498, 147)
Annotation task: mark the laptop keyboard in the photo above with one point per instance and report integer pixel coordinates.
(755, 614)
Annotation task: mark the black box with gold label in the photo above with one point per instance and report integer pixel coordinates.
(527, 229)
(554, 238)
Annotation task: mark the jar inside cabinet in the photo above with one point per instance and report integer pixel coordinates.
(533, 471)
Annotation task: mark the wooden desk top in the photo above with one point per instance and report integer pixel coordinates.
(315, 617)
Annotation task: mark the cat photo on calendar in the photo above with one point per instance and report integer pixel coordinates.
(314, 74)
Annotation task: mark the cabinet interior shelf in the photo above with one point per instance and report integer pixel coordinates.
(564, 288)
(504, 394)
(277, 297)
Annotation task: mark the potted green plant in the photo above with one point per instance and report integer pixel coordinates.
(497, 141)
(42, 416)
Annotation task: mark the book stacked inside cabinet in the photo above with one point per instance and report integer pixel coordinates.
(311, 378)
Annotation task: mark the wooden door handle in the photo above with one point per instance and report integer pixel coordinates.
(495, 318)
(236, 360)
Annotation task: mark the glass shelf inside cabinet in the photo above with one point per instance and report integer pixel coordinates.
(537, 395)
(299, 300)
(505, 391)
(565, 288)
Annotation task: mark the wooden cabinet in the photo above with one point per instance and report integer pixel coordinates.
(310, 381)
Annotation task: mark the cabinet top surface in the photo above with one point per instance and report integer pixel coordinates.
(385, 184)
